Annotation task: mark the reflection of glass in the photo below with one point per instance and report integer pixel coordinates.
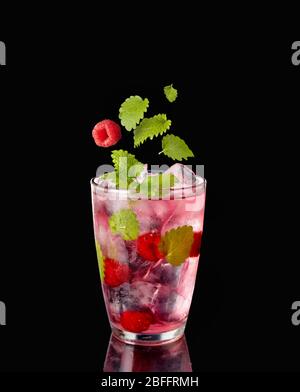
(172, 357)
(147, 297)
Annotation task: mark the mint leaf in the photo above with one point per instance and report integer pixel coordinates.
(176, 244)
(100, 259)
(157, 185)
(175, 148)
(125, 223)
(151, 127)
(127, 167)
(132, 111)
(130, 160)
(170, 93)
(110, 176)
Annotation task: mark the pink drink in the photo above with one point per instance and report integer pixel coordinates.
(148, 298)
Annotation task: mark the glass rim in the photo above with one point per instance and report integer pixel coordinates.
(201, 185)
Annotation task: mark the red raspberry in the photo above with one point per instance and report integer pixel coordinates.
(147, 246)
(136, 321)
(106, 133)
(115, 273)
(195, 249)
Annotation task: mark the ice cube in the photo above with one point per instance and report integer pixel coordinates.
(164, 209)
(169, 305)
(142, 207)
(113, 206)
(163, 272)
(135, 296)
(141, 295)
(138, 266)
(112, 246)
(116, 298)
(190, 211)
(172, 302)
(152, 214)
(170, 274)
(145, 212)
(183, 173)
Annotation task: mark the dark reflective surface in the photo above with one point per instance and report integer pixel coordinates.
(172, 357)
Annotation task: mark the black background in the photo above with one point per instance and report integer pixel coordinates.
(237, 109)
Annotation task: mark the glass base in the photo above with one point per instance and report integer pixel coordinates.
(144, 339)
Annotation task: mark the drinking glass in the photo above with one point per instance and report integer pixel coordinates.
(147, 298)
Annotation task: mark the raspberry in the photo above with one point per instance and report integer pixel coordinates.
(195, 249)
(147, 246)
(136, 321)
(115, 273)
(106, 133)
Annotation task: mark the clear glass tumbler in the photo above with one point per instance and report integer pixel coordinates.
(148, 255)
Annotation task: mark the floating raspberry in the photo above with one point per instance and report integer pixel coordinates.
(195, 250)
(136, 321)
(106, 133)
(147, 246)
(115, 273)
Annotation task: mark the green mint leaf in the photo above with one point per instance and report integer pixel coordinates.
(175, 148)
(125, 223)
(151, 127)
(127, 167)
(170, 93)
(132, 111)
(111, 176)
(128, 159)
(176, 244)
(100, 259)
(157, 185)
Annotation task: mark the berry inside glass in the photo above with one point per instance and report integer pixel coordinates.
(148, 254)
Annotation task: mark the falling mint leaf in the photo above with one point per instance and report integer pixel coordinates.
(170, 93)
(127, 167)
(175, 148)
(176, 244)
(125, 223)
(132, 111)
(151, 127)
(100, 260)
(130, 160)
